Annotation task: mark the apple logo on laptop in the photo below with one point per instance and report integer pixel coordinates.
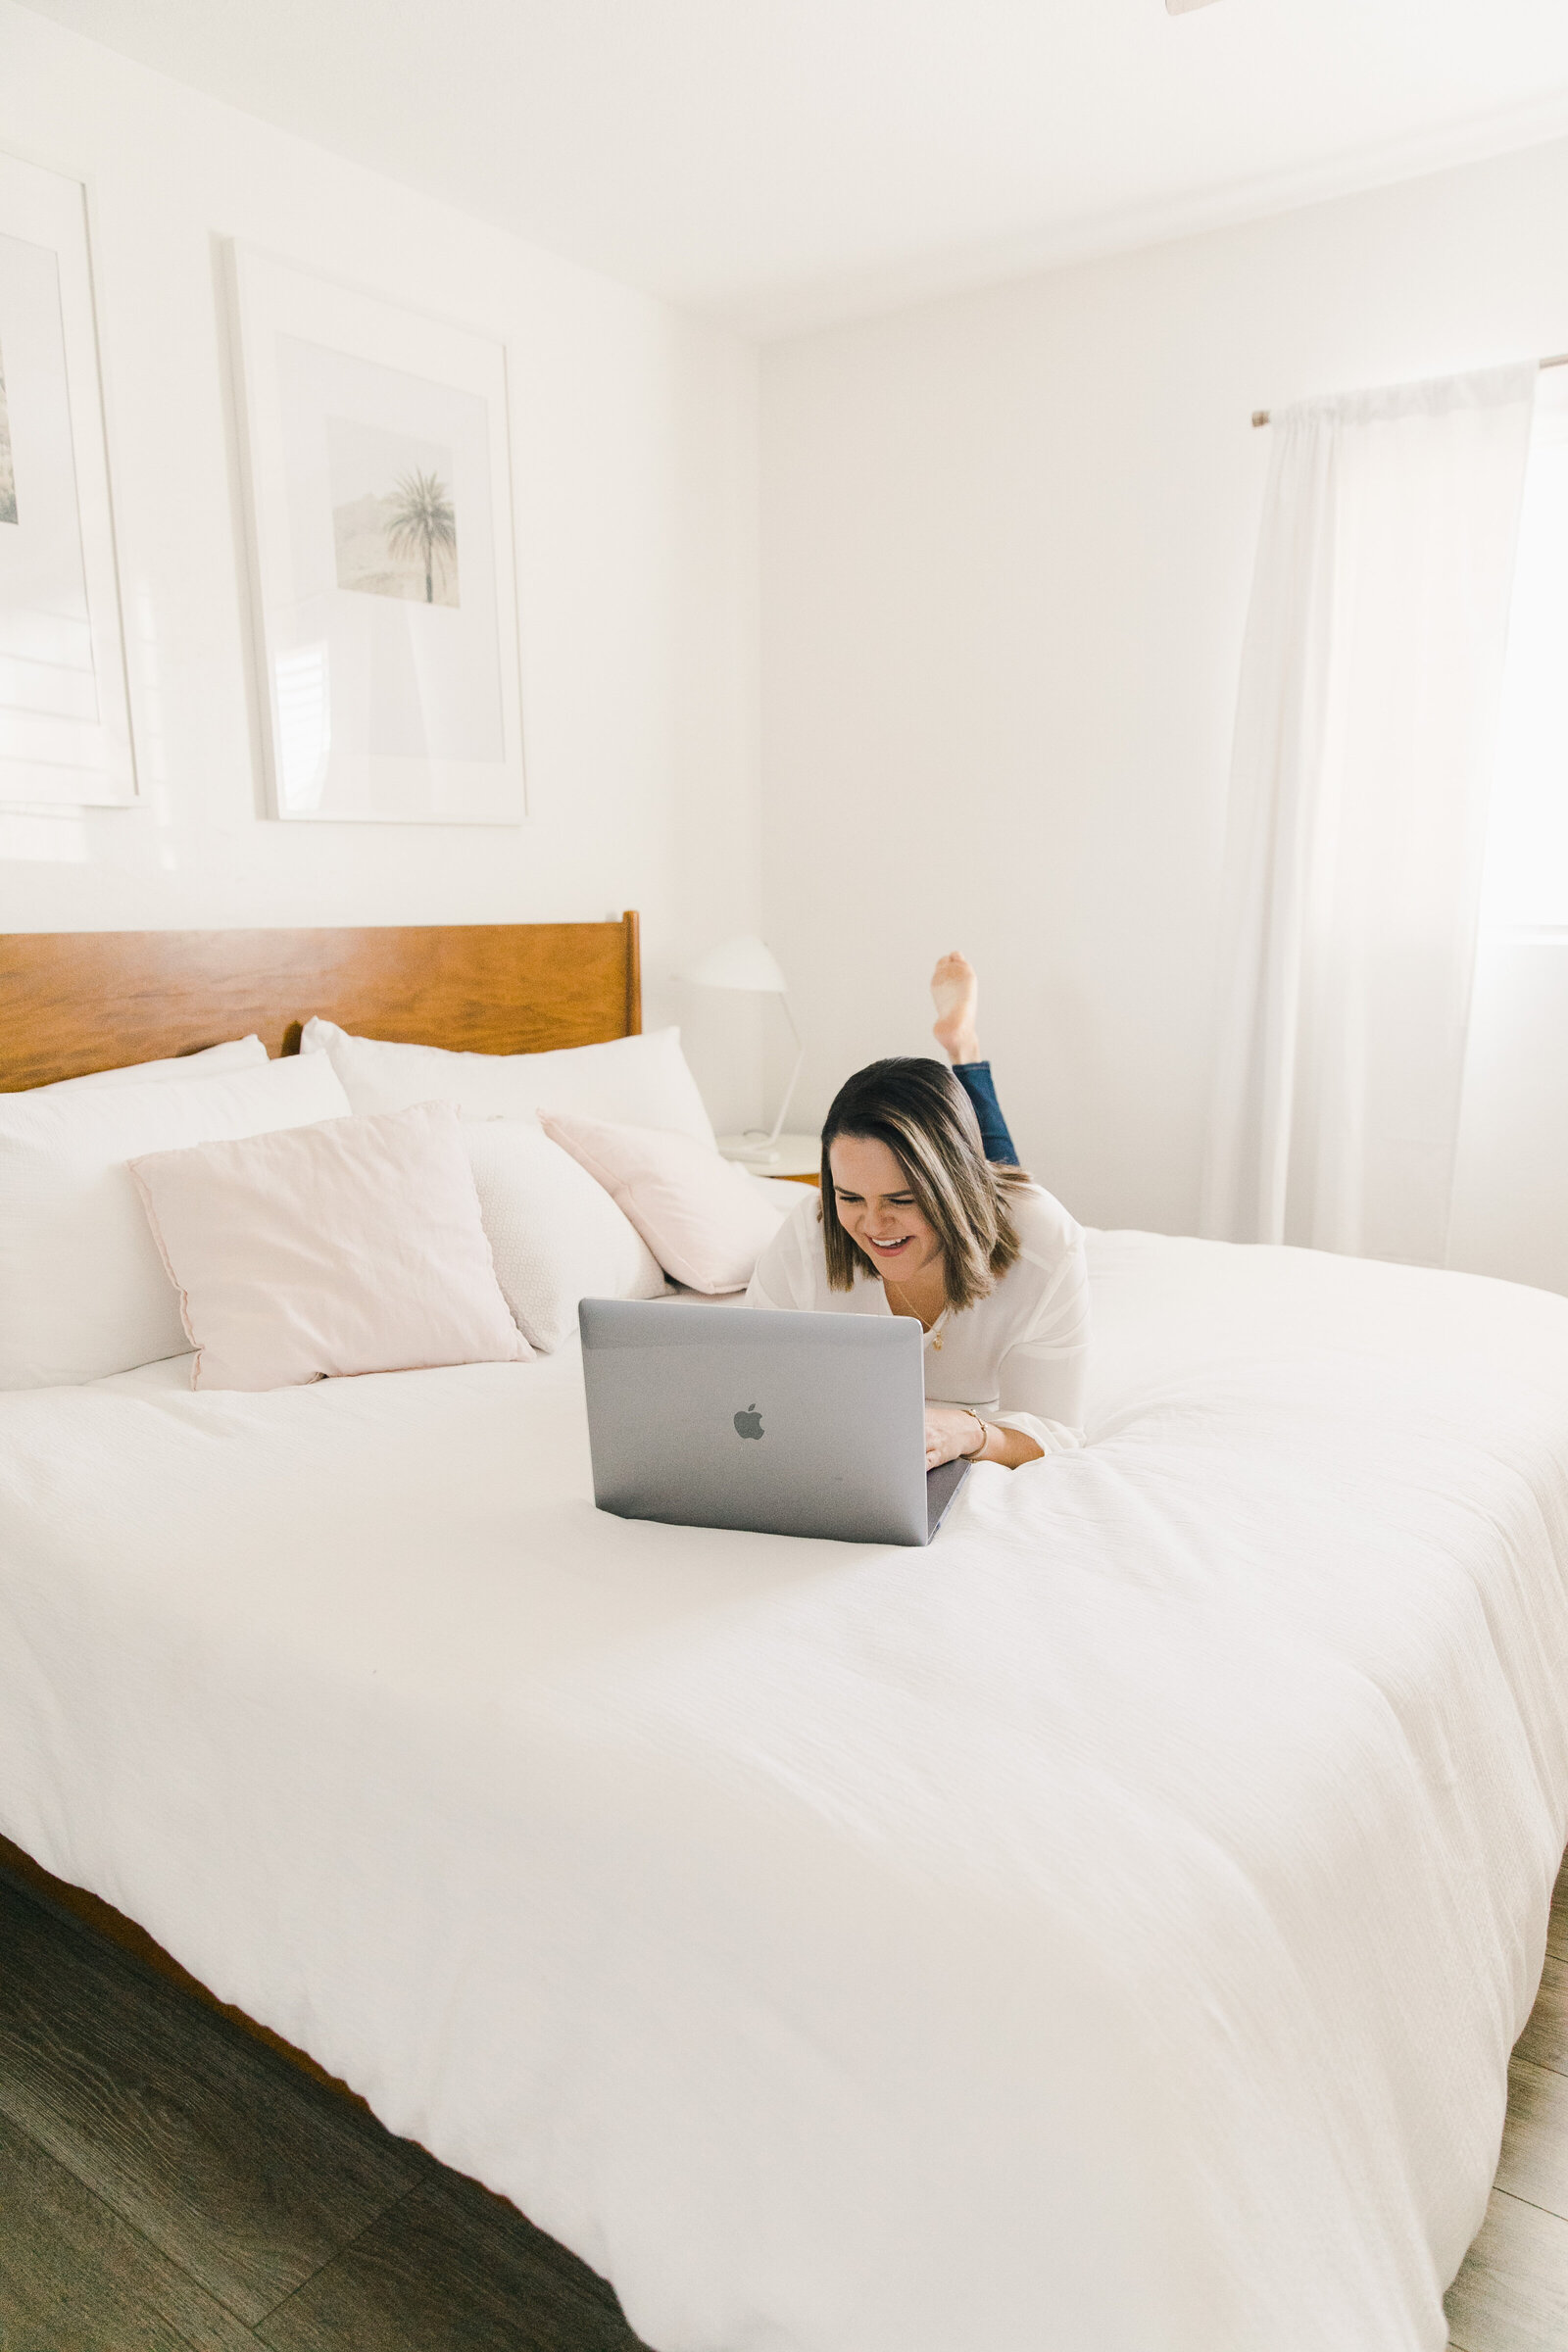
(748, 1424)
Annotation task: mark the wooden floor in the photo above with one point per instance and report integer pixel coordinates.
(167, 2184)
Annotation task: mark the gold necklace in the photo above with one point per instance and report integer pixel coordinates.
(933, 1328)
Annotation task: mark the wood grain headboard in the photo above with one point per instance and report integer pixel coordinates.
(78, 1001)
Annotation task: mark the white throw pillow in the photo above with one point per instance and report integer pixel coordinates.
(555, 1235)
(705, 1219)
(639, 1081)
(348, 1246)
(82, 1288)
(237, 1054)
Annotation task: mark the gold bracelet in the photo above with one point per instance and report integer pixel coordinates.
(985, 1433)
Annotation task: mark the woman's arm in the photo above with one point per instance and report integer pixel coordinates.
(953, 1429)
(1043, 1375)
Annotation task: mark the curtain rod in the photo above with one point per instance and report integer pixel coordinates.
(1558, 359)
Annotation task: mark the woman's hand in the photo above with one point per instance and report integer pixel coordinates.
(949, 1432)
(952, 1430)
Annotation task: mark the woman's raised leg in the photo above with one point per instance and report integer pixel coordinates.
(955, 993)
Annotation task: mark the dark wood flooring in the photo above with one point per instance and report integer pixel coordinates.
(168, 2185)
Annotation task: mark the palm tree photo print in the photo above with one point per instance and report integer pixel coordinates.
(394, 516)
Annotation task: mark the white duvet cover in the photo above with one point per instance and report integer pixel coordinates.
(1104, 1931)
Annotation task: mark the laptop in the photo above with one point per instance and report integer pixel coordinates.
(781, 1424)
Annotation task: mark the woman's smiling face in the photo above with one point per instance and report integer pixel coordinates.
(877, 1210)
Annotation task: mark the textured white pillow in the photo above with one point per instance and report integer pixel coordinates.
(348, 1246)
(638, 1081)
(555, 1235)
(705, 1219)
(82, 1288)
(237, 1054)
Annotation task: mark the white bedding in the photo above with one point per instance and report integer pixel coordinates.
(1104, 1931)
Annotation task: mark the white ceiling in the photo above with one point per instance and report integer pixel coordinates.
(787, 161)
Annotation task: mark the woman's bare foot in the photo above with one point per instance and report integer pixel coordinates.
(956, 993)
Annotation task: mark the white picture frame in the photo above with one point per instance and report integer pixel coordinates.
(64, 704)
(377, 478)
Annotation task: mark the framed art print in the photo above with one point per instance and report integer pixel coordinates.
(64, 715)
(378, 486)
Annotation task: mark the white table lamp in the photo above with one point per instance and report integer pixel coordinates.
(747, 963)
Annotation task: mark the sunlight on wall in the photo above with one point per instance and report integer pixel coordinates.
(1525, 888)
(152, 765)
(304, 724)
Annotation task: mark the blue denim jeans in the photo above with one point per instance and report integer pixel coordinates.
(975, 1079)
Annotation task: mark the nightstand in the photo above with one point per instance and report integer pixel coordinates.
(798, 1158)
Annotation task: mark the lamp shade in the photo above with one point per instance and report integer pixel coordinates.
(744, 962)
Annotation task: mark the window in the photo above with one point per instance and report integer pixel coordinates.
(1524, 894)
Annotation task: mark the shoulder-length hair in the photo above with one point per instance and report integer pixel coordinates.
(920, 1111)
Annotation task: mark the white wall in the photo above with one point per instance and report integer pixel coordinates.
(634, 445)
(1007, 543)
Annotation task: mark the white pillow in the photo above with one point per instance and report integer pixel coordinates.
(351, 1246)
(555, 1235)
(239, 1054)
(637, 1081)
(82, 1288)
(706, 1220)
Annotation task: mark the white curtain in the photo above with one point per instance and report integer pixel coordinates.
(1370, 683)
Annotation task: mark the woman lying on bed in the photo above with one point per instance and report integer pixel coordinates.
(924, 1212)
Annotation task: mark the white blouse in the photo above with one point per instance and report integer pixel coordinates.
(1018, 1356)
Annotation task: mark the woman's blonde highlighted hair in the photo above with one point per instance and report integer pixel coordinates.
(920, 1111)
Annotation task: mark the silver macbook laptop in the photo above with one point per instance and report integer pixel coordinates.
(787, 1425)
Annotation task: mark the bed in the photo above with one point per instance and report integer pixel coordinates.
(1107, 1929)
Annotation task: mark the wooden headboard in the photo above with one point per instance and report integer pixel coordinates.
(78, 1001)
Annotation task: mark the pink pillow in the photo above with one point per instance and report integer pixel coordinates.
(353, 1246)
(705, 1219)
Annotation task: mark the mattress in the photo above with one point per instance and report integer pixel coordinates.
(1104, 1928)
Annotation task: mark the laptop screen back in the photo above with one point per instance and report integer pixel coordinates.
(786, 1424)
